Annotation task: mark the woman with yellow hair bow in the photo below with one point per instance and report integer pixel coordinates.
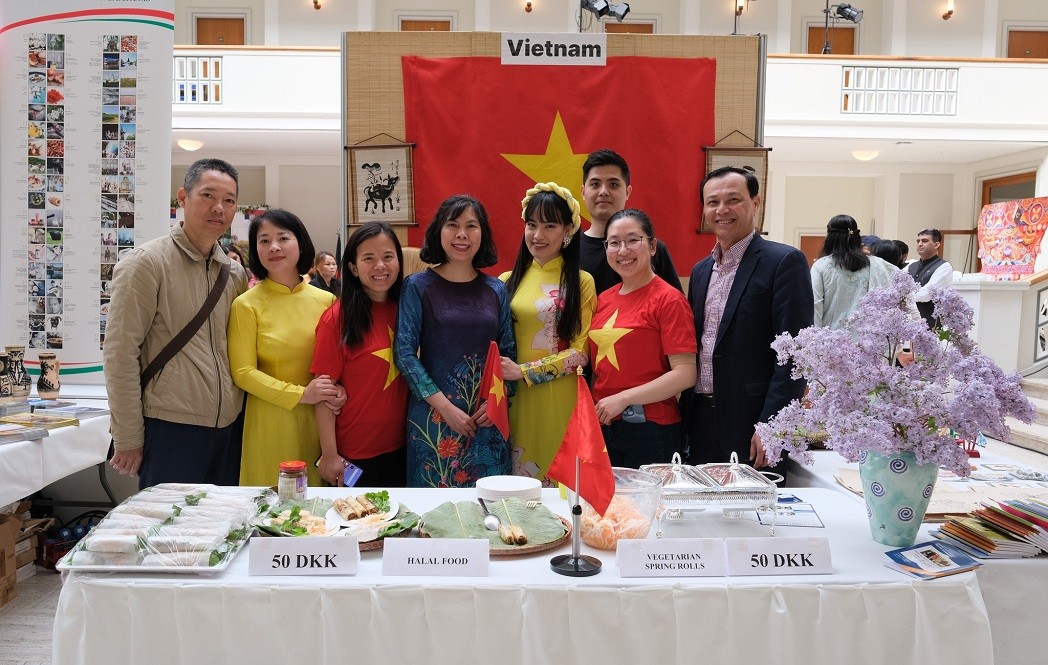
(552, 301)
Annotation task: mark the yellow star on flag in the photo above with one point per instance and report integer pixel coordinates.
(387, 355)
(560, 164)
(606, 336)
(498, 390)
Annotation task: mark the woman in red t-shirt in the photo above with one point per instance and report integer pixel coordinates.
(642, 349)
(354, 343)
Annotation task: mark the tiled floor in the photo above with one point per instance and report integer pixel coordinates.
(25, 622)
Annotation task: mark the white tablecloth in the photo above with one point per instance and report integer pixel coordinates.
(1014, 591)
(525, 613)
(28, 466)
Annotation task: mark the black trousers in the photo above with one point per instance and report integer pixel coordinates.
(703, 444)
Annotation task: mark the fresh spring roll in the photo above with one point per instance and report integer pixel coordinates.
(174, 544)
(159, 511)
(127, 522)
(85, 558)
(177, 559)
(103, 542)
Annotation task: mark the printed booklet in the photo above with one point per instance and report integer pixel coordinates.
(930, 560)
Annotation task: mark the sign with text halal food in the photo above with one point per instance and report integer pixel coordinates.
(567, 48)
(303, 556)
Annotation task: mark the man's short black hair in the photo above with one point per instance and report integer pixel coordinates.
(605, 157)
(934, 233)
(753, 186)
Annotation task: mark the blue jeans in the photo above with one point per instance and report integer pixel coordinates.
(179, 453)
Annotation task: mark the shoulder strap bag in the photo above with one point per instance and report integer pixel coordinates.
(184, 335)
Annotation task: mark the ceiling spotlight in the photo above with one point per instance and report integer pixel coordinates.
(849, 13)
(597, 7)
(316, 4)
(619, 11)
(190, 145)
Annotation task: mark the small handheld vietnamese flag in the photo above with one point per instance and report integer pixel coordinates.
(493, 389)
(584, 440)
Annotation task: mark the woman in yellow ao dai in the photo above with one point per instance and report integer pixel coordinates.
(271, 335)
(552, 302)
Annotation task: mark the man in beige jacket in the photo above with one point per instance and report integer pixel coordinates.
(183, 426)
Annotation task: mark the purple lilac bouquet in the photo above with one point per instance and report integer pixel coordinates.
(861, 399)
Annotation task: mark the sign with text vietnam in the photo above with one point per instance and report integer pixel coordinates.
(554, 49)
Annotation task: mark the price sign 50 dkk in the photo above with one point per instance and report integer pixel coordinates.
(778, 556)
(303, 556)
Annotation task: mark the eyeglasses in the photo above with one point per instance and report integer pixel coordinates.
(628, 243)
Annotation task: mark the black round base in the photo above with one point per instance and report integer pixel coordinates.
(584, 566)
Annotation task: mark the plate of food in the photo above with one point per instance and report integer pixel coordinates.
(371, 534)
(365, 516)
(297, 518)
(526, 526)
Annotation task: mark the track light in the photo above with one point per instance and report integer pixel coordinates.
(949, 11)
(836, 13)
(849, 13)
(619, 11)
(598, 8)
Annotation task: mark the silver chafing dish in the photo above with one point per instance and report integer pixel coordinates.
(734, 488)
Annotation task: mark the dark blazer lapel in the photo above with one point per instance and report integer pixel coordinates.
(742, 276)
(697, 288)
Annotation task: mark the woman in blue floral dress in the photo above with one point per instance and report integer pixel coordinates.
(448, 317)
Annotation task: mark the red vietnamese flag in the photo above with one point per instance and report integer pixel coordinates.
(583, 439)
(493, 130)
(493, 389)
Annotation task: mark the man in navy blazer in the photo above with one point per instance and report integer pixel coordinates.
(748, 291)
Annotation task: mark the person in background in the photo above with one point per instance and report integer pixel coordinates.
(272, 332)
(324, 274)
(354, 347)
(234, 253)
(746, 293)
(904, 252)
(447, 318)
(868, 242)
(888, 250)
(605, 189)
(642, 342)
(844, 273)
(930, 271)
(183, 425)
(552, 302)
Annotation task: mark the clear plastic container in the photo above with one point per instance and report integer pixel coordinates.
(292, 481)
(630, 514)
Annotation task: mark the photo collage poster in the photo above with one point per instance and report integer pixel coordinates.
(85, 172)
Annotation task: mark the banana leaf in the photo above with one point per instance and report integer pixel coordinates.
(465, 519)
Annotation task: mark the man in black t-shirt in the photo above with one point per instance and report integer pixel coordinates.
(605, 189)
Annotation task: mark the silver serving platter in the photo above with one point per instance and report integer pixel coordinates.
(734, 488)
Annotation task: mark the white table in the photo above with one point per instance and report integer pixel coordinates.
(1013, 590)
(28, 466)
(525, 613)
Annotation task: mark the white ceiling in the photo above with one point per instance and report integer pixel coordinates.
(910, 151)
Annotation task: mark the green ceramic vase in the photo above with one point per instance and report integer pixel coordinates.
(897, 490)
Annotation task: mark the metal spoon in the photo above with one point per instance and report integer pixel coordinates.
(491, 521)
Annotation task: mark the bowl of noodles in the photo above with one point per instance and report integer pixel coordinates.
(630, 513)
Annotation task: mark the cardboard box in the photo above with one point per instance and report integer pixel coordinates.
(8, 589)
(10, 529)
(25, 572)
(25, 550)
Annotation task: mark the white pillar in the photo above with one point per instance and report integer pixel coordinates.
(482, 15)
(365, 15)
